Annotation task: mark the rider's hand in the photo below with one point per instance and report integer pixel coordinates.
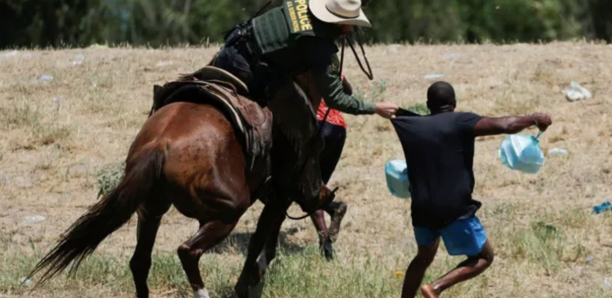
(386, 110)
(543, 120)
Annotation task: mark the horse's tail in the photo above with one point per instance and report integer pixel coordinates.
(105, 217)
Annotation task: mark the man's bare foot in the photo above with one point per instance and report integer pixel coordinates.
(428, 292)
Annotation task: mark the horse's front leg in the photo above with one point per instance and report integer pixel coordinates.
(268, 228)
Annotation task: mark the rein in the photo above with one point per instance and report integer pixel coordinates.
(368, 72)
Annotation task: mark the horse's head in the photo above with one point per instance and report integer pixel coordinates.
(325, 197)
(314, 194)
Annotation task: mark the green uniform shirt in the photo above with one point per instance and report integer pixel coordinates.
(295, 42)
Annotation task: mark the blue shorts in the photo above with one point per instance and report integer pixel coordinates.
(462, 237)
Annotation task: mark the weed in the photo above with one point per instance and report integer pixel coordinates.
(109, 177)
(375, 91)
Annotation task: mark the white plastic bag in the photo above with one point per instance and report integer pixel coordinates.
(576, 92)
(396, 172)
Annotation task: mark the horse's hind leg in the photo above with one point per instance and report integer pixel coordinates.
(141, 260)
(209, 235)
(149, 219)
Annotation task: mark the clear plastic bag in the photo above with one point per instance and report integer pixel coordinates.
(522, 153)
(396, 172)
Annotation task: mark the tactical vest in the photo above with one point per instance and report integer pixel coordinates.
(282, 26)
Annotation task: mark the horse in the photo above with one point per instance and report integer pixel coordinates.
(188, 154)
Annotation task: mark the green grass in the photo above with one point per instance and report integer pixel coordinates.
(114, 273)
(305, 274)
(109, 177)
(309, 275)
(297, 274)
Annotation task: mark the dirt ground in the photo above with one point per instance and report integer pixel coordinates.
(56, 137)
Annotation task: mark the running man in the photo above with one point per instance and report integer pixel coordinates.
(439, 151)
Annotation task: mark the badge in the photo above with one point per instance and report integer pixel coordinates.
(299, 20)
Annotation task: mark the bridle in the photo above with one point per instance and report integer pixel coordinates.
(312, 212)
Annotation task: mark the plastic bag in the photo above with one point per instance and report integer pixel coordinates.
(522, 153)
(397, 178)
(576, 92)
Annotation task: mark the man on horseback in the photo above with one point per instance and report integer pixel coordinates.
(270, 51)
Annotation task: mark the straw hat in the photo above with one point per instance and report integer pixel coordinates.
(345, 12)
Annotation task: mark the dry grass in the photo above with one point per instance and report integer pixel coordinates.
(52, 153)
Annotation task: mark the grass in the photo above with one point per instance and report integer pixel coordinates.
(302, 273)
(109, 177)
(374, 92)
(292, 273)
(29, 118)
(419, 108)
(57, 156)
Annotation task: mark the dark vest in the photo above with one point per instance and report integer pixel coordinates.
(282, 26)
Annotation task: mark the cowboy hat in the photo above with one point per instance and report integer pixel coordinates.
(345, 12)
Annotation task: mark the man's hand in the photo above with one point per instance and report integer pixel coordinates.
(543, 121)
(386, 110)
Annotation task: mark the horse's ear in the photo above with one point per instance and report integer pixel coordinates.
(157, 90)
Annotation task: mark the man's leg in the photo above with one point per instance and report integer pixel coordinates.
(318, 218)
(328, 162)
(464, 237)
(325, 243)
(418, 266)
(467, 269)
(335, 137)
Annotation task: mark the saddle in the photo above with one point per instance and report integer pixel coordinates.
(215, 86)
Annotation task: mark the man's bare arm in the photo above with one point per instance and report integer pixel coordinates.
(510, 125)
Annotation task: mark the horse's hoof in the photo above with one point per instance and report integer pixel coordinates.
(256, 291)
(240, 294)
(201, 293)
(241, 291)
(249, 291)
(336, 221)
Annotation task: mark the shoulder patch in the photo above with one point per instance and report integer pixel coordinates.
(299, 19)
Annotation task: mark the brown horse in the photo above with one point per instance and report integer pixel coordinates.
(188, 155)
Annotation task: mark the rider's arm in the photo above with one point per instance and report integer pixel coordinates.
(328, 81)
